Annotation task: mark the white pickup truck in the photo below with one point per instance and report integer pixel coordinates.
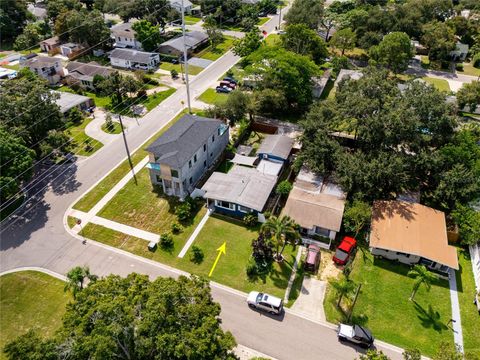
(355, 334)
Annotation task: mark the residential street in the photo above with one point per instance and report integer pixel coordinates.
(36, 237)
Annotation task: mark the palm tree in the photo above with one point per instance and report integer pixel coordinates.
(281, 230)
(422, 276)
(76, 279)
(343, 287)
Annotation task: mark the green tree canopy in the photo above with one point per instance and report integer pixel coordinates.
(285, 71)
(343, 39)
(119, 86)
(439, 38)
(306, 12)
(304, 41)
(29, 38)
(469, 96)
(147, 34)
(13, 17)
(248, 44)
(394, 51)
(134, 318)
(57, 7)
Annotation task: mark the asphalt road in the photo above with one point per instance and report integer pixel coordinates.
(36, 236)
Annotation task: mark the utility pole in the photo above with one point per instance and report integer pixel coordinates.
(354, 302)
(280, 18)
(185, 59)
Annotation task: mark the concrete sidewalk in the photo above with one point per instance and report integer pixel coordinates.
(197, 230)
(457, 320)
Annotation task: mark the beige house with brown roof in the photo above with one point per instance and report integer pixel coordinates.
(317, 206)
(411, 233)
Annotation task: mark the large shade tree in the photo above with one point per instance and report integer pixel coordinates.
(304, 41)
(306, 12)
(394, 51)
(134, 318)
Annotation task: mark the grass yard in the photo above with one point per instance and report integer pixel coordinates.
(329, 90)
(273, 39)
(383, 305)
(210, 96)
(192, 70)
(30, 300)
(237, 71)
(440, 84)
(153, 100)
(100, 101)
(468, 311)
(262, 21)
(79, 139)
(12, 67)
(116, 128)
(91, 198)
(213, 54)
(71, 221)
(191, 20)
(468, 69)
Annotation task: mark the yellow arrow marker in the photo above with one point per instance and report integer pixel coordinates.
(221, 250)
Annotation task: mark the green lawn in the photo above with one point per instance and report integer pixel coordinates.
(213, 54)
(210, 96)
(30, 300)
(383, 305)
(329, 91)
(468, 69)
(273, 39)
(12, 67)
(191, 20)
(230, 269)
(100, 101)
(79, 138)
(153, 100)
(91, 198)
(192, 70)
(262, 21)
(71, 221)
(116, 129)
(466, 291)
(440, 84)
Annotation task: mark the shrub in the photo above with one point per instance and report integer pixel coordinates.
(184, 211)
(109, 123)
(166, 241)
(176, 228)
(251, 269)
(88, 145)
(174, 73)
(229, 73)
(284, 188)
(459, 66)
(250, 220)
(196, 255)
(142, 93)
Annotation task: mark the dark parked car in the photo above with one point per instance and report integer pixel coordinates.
(344, 250)
(313, 258)
(230, 80)
(223, 89)
(228, 84)
(355, 334)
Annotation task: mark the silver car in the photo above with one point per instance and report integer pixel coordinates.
(265, 302)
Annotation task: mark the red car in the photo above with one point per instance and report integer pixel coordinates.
(346, 247)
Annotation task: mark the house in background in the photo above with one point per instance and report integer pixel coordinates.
(348, 74)
(239, 192)
(83, 74)
(134, 59)
(411, 233)
(71, 49)
(6, 74)
(316, 205)
(275, 148)
(174, 47)
(460, 53)
(68, 101)
(124, 36)
(181, 156)
(51, 44)
(177, 5)
(49, 68)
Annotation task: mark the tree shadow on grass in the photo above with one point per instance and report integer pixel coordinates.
(430, 318)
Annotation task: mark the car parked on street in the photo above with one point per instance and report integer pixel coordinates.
(230, 80)
(355, 334)
(312, 261)
(223, 89)
(344, 250)
(228, 84)
(265, 302)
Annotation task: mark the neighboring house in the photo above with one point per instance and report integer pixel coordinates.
(348, 74)
(134, 59)
(182, 155)
(67, 101)
(83, 74)
(6, 74)
(275, 148)
(319, 83)
(124, 36)
(177, 5)
(419, 48)
(460, 53)
(38, 9)
(174, 47)
(240, 192)
(47, 67)
(50, 44)
(70, 49)
(317, 206)
(411, 233)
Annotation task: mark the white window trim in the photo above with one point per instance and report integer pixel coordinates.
(218, 202)
(239, 208)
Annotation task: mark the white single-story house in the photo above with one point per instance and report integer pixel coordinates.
(67, 101)
(174, 47)
(83, 74)
(134, 59)
(411, 233)
(70, 49)
(317, 205)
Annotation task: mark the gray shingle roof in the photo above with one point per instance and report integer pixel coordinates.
(67, 101)
(276, 145)
(41, 61)
(132, 55)
(80, 70)
(192, 39)
(124, 29)
(180, 142)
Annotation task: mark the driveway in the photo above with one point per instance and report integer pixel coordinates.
(310, 301)
(203, 63)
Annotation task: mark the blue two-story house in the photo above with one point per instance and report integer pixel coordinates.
(181, 156)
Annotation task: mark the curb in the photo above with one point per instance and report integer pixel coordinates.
(35, 268)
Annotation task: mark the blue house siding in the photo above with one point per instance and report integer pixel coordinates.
(271, 157)
(232, 212)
